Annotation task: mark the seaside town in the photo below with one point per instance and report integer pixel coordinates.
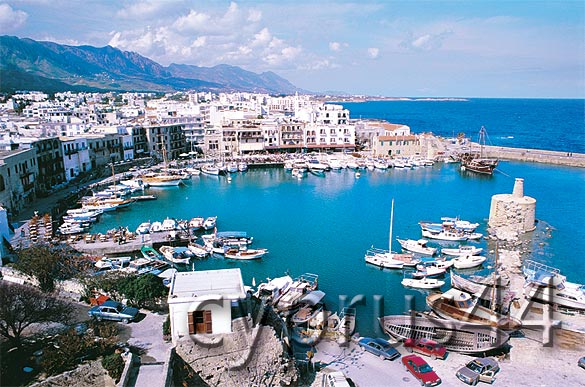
(68, 293)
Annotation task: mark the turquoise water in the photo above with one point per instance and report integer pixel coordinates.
(324, 225)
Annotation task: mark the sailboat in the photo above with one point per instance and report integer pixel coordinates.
(387, 259)
(478, 163)
(162, 179)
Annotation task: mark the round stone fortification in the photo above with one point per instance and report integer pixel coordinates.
(513, 211)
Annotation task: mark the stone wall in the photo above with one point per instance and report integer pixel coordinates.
(248, 356)
(535, 155)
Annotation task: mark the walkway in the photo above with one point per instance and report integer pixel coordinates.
(147, 336)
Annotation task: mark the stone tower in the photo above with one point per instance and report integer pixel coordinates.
(515, 212)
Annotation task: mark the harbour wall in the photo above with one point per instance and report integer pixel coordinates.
(536, 155)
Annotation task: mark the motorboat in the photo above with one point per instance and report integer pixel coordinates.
(198, 250)
(311, 305)
(210, 222)
(467, 261)
(429, 270)
(176, 254)
(169, 224)
(156, 227)
(547, 285)
(421, 283)
(384, 258)
(445, 235)
(160, 180)
(463, 250)
(143, 266)
(417, 246)
(209, 169)
(457, 304)
(242, 166)
(232, 167)
(489, 294)
(272, 290)
(455, 335)
(246, 254)
(143, 228)
(459, 224)
(196, 223)
(112, 262)
(289, 301)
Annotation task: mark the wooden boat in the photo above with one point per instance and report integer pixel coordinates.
(311, 305)
(459, 305)
(467, 261)
(149, 252)
(418, 246)
(485, 293)
(160, 180)
(477, 162)
(246, 254)
(456, 336)
(463, 250)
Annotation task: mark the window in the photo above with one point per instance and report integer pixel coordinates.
(199, 322)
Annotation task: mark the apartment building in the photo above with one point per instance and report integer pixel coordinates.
(76, 158)
(18, 172)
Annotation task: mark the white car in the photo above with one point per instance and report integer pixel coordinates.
(335, 379)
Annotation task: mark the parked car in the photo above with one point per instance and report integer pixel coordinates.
(581, 362)
(419, 368)
(481, 369)
(379, 347)
(112, 310)
(426, 347)
(335, 379)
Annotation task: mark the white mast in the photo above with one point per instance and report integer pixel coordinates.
(391, 223)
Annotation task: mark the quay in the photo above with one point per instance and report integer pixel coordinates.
(109, 246)
(535, 156)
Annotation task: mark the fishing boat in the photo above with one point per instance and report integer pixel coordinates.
(467, 261)
(463, 250)
(459, 224)
(455, 335)
(161, 180)
(149, 252)
(143, 266)
(387, 259)
(430, 270)
(169, 224)
(457, 304)
(246, 254)
(486, 294)
(477, 163)
(311, 305)
(547, 285)
(418, 246)
(112, 262)
(421, 283)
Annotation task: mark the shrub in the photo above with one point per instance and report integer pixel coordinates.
(167, 326)
(114, 364)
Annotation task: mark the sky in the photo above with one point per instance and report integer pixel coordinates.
(507, 49)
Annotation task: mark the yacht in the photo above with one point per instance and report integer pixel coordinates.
(547, 285)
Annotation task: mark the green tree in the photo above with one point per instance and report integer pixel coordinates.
(47, 264)
(21, 306)
(143, 290)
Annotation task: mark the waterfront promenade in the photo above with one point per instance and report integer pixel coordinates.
(536, 156)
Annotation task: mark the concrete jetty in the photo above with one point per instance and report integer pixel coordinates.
(534, 155)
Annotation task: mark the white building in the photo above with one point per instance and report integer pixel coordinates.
(200, 302)
(75, 156)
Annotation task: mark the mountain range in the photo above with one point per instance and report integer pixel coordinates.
(27, 64)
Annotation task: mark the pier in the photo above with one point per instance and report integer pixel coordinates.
(536, 156)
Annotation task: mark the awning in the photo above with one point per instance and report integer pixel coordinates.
(313, 298)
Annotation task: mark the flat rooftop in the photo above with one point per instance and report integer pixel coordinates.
(227, 283)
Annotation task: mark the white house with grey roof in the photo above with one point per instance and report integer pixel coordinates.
(200, 302)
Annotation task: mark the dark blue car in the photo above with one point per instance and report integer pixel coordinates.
(379, 347)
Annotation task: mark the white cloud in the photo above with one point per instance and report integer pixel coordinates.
(11, 19)
(254, 16)
(427, 41)
(373, 52)
(139, 10)
(334, 46)
(194, 21)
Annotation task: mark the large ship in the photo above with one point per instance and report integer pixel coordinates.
(477, 162)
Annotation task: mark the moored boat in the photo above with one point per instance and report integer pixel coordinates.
(209, 222)
(467, 261)
(418, 246)
(422, 283)
(175, 254)
(235, 253)
(463, 250)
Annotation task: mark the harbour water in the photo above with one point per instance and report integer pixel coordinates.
(324, 225)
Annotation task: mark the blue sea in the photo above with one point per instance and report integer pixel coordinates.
(552, 124)
(324, 225)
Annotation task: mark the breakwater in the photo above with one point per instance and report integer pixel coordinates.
(535, 155)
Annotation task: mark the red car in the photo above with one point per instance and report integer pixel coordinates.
(426, 347)
(421, 370)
